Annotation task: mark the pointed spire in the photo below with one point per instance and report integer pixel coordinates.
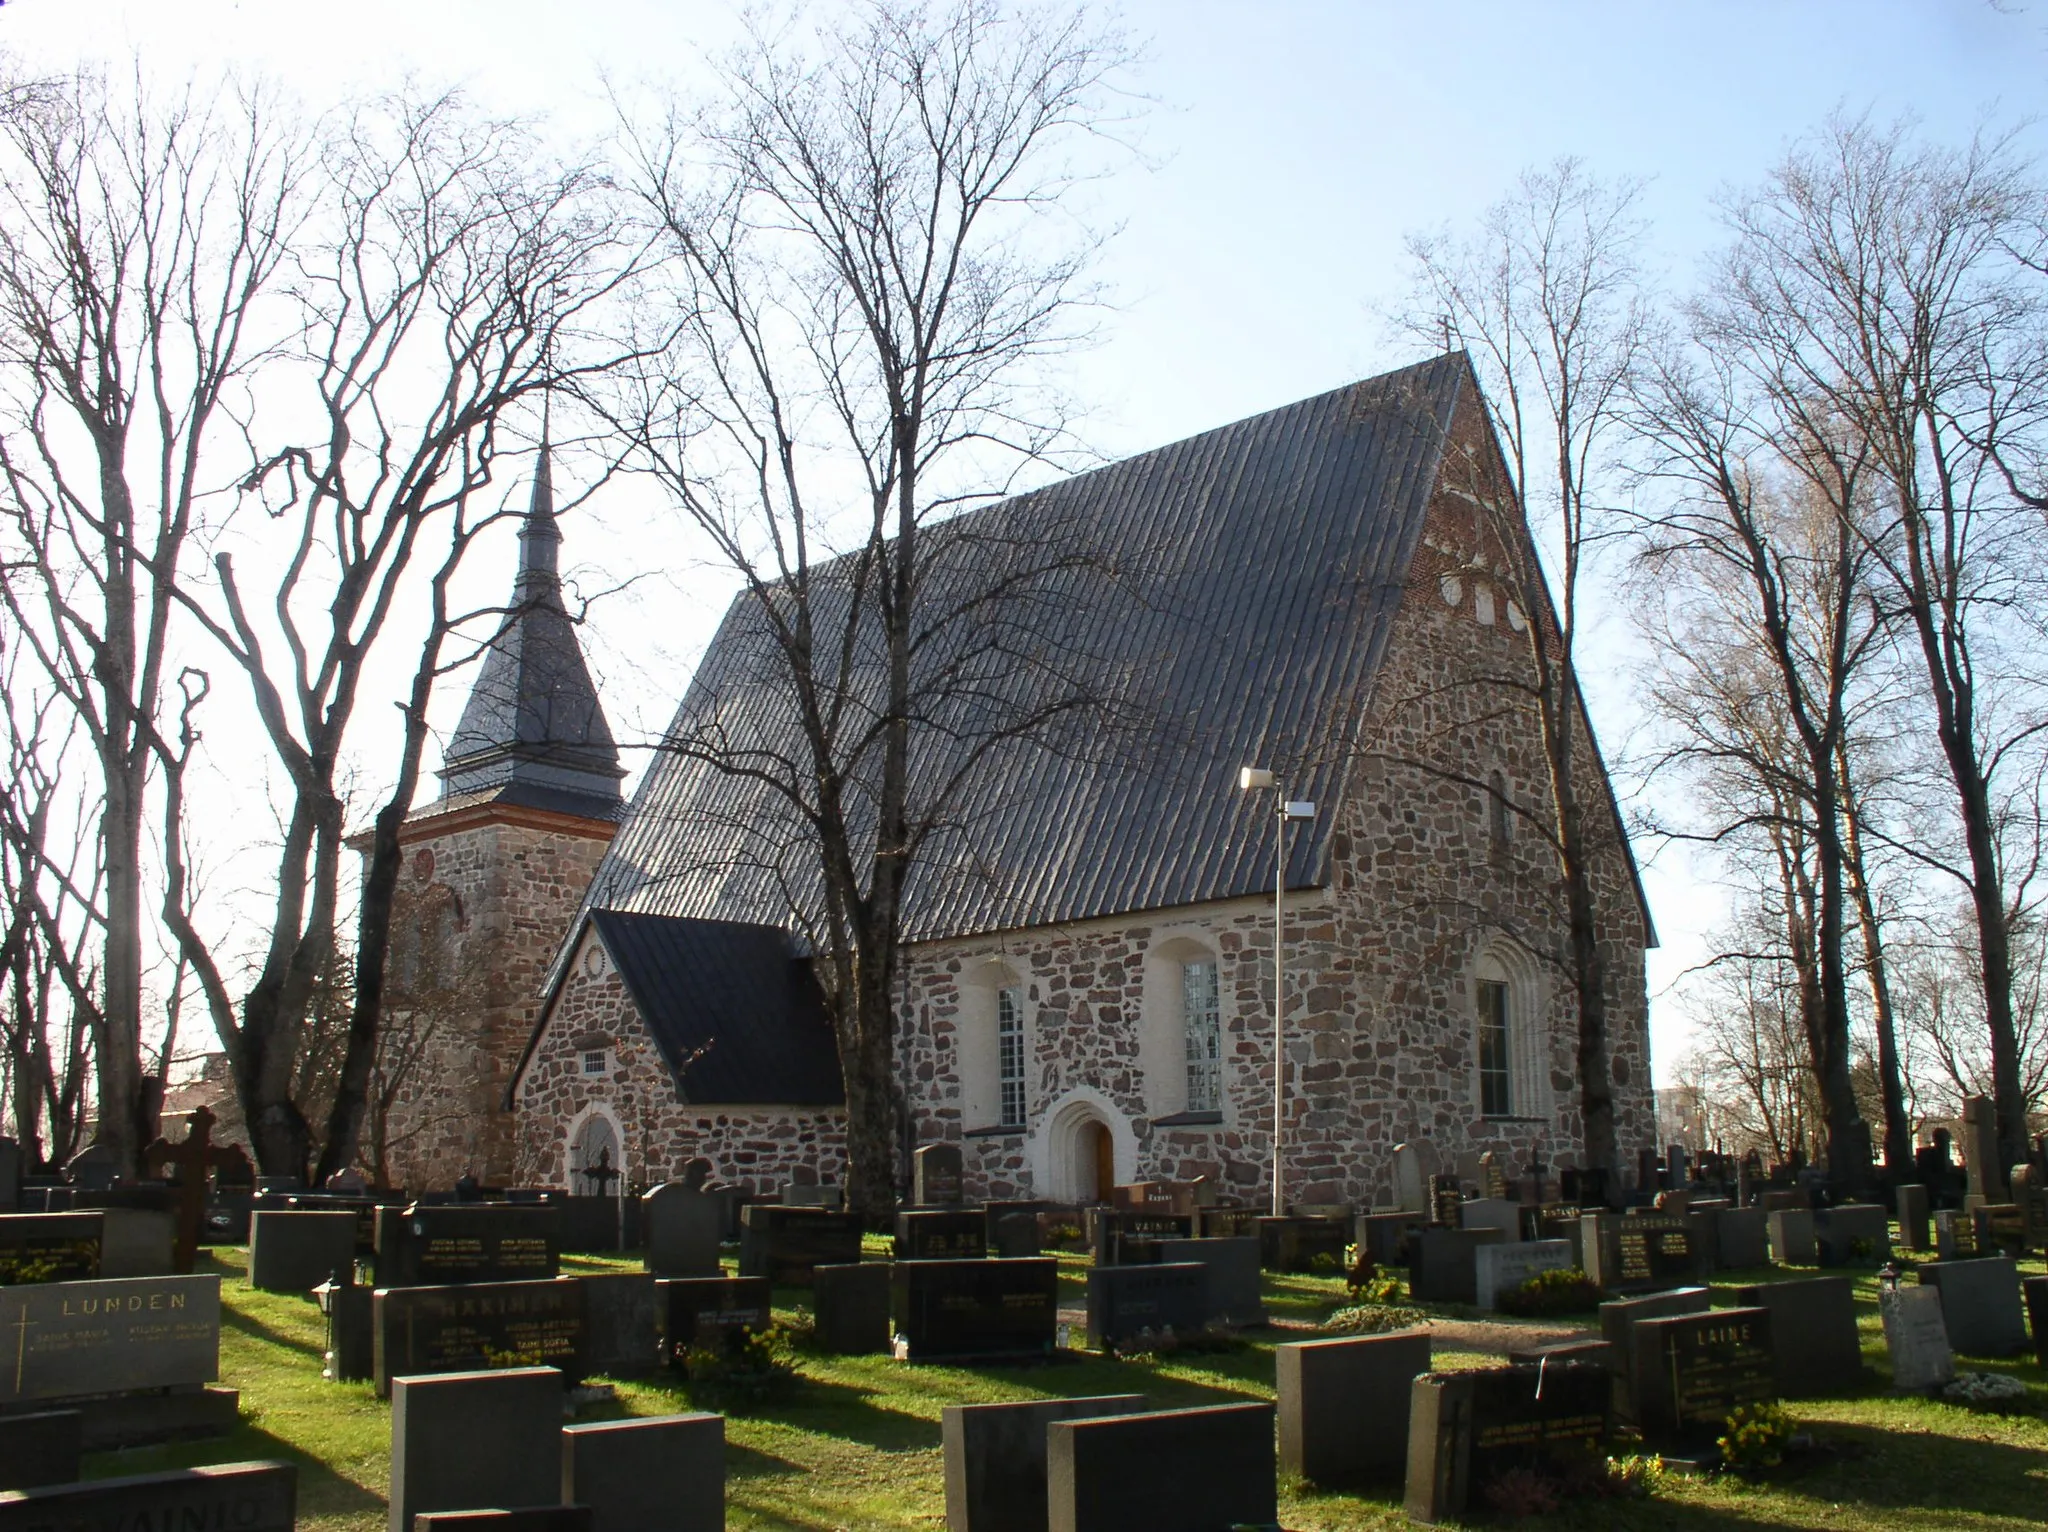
(540, 538)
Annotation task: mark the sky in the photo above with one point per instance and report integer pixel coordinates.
(1285, 149)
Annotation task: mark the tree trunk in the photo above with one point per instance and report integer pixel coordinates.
(867, 1028)
(1898, 1131)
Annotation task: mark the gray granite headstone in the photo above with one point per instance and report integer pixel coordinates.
(1792, 1237)
(295, 1252)
(1980, 1304)
(664, 1473)
(1411, 1178)
(138, 1242)
(1194, 1469)
(1492, 1213)
(1853, 1234)
(1499, 1269)
(246, 1497)
(1916, 1338)
(1960, 1234)
(937, 1173)
(1235, 1294)
(40, 1448)
(852, 1306)
(1914, 1225)
(995, 1458)
(1344, 1405)
(684, 1223)
(1125, 1302)
(1744, 1241)
(476, 1325)
(1444, 1267)
(621, 1324)
(469, 1440)
(68, 1339)
(1813, 1334)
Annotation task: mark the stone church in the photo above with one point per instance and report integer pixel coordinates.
(1087, 988)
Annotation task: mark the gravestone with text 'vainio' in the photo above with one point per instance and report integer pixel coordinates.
(476, 1326)
(958, 1309)
(1467, 1430)
(443, 1244)
(230, 1497)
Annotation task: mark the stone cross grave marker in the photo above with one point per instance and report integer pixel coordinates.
(937, 1175)
(247, 1497)
(194, 1157)
(1916, 1338)
(995, 1458)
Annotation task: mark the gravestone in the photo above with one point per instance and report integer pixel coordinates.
(1813, 1334)
(1498, 1269)
(1706, 1233)
(1980, 1304)
(296, 1252)
(1493, 1178)
(961, 1309)
(1344, 1405)
(995, 1458)
(783, 1244)
(1980, 1151)
(2004, 1229)
(531, 1518)
(2034, 1290)
(2031, 1198)
(195, 1157)
(446, 1244)
(138, 1242)
(1792, 1237)
(1741, 1237)
(712, 1313)
(1226, 1223)
(852, 1306)
(1411, 1179)
(1235, 1295)
(1959, 1235)
(10, 1175)
(592, 1221)
(49, 1247)
(474, 1326)
(92, 1168)
(1125, 1302)
(1303, 1244)
(621, 1324)
(465, 1440)
(41, 1448)
(1468, 1429)
(1692, 1370)
(1640, 1252)
(1446, 1202)
(1556, 1220)
(1916, 1338)
(1620, 1316)
(937, 1176)
(351, 1312)
(235, 1497)
(1492, 1213)
(1852, 1234)
(941, 1236)
(1115, 1231)
(1187, 1470)
(1445, 1264)
(1385, 1236)
(684, 1223)
(1012, 1235)
(803, 1190)
(1914, 1232)
(661, 1473)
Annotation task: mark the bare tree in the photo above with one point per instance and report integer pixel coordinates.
(1546, 296)
(868, 267)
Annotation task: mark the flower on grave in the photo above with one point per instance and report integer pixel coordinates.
(1985, 1388)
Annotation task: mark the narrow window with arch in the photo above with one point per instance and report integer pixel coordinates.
(1496, 1072)
(1010, 1056)
(1202, 1026)
(1500, 818)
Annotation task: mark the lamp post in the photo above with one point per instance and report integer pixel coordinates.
(1257, 779)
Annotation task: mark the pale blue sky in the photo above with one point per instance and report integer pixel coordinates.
(1292, 147)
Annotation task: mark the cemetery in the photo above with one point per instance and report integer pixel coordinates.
(472, 1369)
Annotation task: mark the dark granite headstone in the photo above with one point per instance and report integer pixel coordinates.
(1792, 1237)
(1235, 1293)
(468, 1440)
(684, 1224)
(784, 1243)
(1620, 1316)
(1741, 1237)
(852, 1307)
(1853, 1234)
(941, 1236)
(1980, 1304)
(946, 1309)
(621, 1324)
(1640, 1252)
(39, 1449)
(530, 1518)
(49, 1247)
(1012, 1235)
(1692, 1370)
(231, 1497)
(2035, 1292)
(712, 1313)
(64, 1340)
(1125, 1302)
(1344, 1405)
(1116, 1230)
(478, 1325)
(2005, 1229)
(296, 1252)
(995, 1458)
(351, 1330)
(1444, 1264)
(1304, 1244)
(442, 1245)
(936, 1176)
(1915, 1231)
(1386, 1237)
(1960, 1235)
(1200, 1470)
(663, 1473)
(1814, 1344)
(1467, 1429)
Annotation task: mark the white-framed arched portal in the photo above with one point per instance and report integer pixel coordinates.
(1082, 1140)
(594, 1142)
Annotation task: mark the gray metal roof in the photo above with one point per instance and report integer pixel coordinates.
(1228, 603)
(533, 718)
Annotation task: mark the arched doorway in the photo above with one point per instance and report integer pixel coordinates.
(1083, 1147)
(594, 1167)
(1098, 1151)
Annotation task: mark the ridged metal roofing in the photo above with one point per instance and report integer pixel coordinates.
(737, 1015)
(1228, 603)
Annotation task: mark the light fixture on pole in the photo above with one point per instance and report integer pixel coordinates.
(1257, 779)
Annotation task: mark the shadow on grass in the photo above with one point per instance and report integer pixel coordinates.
(322, 1491)
(240, 1319)
(1924, 1470)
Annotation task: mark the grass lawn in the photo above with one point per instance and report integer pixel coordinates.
(859, 1446)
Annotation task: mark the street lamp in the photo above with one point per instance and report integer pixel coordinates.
(1257, 779)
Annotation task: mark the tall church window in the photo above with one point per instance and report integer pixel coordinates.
(1010, 1056)
(1496, 1071)
(1500, 819)
(1201, 1024)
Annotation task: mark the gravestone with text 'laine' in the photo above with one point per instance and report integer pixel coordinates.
(1344, 1405)
(1197, 1470)
(937, 1175)
(684, 1223)
(444, 1244)
(1618, 1320)
(230, 1497)
(1236, 1295)
(49, 1247)
(1980, 1304)
(1467, 1430)
(1813, 1334)
(664, 1473)
(939, 1235)
(1501, 1268)
(475, 1440)
(1692, 1370)
(475, 1326)
(995, 1458)
(1126, 1302)
(783, 1244)
(711, 1314)
(852, 1307)
(963, 1309)
(1916, 1338)
(40, 1448)
(292, 1252)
